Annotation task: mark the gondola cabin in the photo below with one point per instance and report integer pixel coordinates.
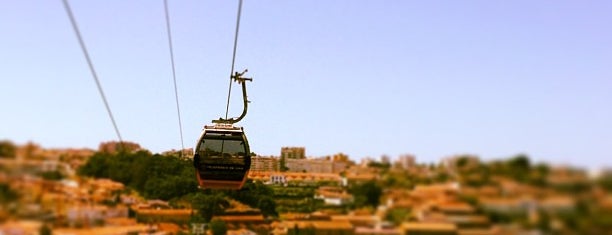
(222, 157)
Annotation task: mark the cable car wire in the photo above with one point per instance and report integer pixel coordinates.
(91, 68)
(178, 110)
(229, 93)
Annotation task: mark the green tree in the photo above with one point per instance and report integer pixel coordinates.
(209, 205)
(519, 167)
(543, 222)
(45, 230)
(367, 194)
(381, 165)
(267, 206)
(140, 171)
(605, 182)
(52, 175)
(397, 215)
(442, 177)
(519, 162)
(7, 195)
(218, 227)
(7, 149)
(462, 161)
(256, 195)
(539, 175)
(96, 166)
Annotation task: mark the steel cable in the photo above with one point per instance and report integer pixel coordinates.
(178, 110)
(229, 93)
(91, 67)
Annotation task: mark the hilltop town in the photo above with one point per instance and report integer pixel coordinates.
(129, 190)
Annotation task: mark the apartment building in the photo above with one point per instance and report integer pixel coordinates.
(261, 163)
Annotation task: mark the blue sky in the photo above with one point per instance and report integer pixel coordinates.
(367, 78)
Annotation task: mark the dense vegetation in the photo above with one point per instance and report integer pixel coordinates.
(154, 176)
(172, 178)
(7, 195)
(584, 218)
(366, 194)
(296, 198)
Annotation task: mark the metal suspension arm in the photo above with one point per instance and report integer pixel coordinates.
(237, 77)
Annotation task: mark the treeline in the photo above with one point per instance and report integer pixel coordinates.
(172, 178)
(152, 175)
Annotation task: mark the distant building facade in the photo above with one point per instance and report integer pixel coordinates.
(290, 153)
(406, 161)
(321, 165)
(261, 163)
(115, 146)
(288, 177)
(293, 159)
(340, 157)
(309, 165)
(293, 152)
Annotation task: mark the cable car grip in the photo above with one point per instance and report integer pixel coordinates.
(237, 77)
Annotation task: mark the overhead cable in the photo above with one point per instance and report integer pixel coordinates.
(229, 93)
(91, 67)
(178, 110)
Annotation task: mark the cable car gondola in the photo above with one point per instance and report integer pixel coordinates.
(222, 157)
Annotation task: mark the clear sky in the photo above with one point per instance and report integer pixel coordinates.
(367, 78)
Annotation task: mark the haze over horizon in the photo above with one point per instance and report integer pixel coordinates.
(432, 79)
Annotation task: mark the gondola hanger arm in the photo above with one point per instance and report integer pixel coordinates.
(238, 77)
